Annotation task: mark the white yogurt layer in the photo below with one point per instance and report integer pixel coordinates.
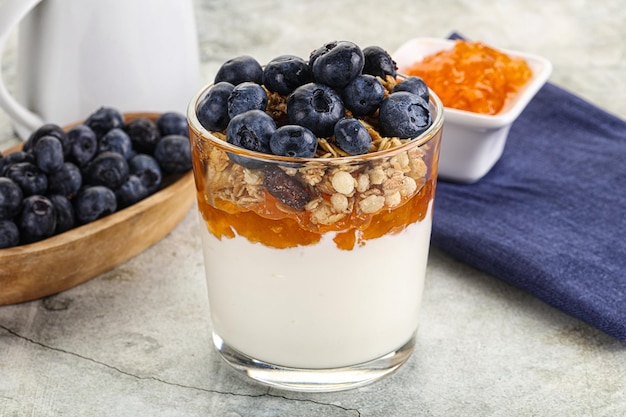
(317, 306)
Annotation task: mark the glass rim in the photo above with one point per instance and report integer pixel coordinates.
(419, 141)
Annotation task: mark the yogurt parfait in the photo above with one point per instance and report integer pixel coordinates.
(315, 183)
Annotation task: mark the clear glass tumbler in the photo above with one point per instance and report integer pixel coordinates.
(315, 267)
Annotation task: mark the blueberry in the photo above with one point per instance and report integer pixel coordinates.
(143, 133)
(316, 107)
(116, 140)
(285, 73)
(363, 95)
(246, 96)
(66, 181)
(172, 123)
(293, 141)
(130, 192)
(37, 220)
(404, 115)
(65, 219)
(251, 130)
(83, 144)
(352, 136)
(212, 111)
(173, 153)
(415, 85)
(30, 179)
(378, 62)
(338, 64)
(319, 52)
(147, 169)
(14, 158)
(11, 196)
(104, 119)
(240, 69)
(9, 234)
(48, 153)
(108, 168)
(93, 203)
(48, 129)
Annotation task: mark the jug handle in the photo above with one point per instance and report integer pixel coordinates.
(11, 13)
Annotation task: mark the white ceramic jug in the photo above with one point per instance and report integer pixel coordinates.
(75, 56)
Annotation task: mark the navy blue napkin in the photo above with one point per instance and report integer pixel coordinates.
(550, 216)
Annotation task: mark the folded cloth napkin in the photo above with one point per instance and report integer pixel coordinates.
(550, 217)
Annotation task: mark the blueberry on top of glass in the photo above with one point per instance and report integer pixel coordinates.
(338, 81)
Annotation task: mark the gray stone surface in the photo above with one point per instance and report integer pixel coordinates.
(136, 340)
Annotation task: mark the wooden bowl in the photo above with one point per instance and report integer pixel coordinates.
(60, 262)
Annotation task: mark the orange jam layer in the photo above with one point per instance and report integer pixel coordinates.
(472, 76)
(272, 227)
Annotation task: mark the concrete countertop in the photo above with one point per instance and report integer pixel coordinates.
(136, 340)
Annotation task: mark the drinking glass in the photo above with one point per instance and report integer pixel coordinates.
(315, 267)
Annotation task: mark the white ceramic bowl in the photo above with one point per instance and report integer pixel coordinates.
(472, 143)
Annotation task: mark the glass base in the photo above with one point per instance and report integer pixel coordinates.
(315, 380)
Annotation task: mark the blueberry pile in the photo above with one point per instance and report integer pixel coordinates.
(63, 179)
(327, 96)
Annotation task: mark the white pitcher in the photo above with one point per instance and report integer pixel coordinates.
(75, 56)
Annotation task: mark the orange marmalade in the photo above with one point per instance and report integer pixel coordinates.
(472, 76)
